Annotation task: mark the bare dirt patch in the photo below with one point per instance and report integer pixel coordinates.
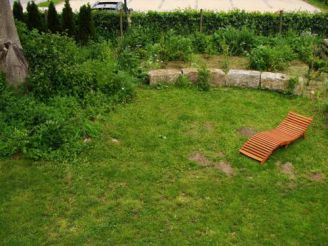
(287, 169)
(203, 161)
(316, 176)
(200, 159)
(225, 167)
(247, 132)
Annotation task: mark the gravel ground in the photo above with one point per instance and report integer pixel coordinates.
(214, 5)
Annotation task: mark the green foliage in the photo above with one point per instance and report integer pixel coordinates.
(86, 29)
(41, 131)
(68, 24)
(183, 82)
(53, 19)
(18, 11)
(202, 43)
(172, 47)
(202, 82)
(270, 58)
(240, 42)
(292, 83)
(68, 88)
(107, 23)
(34, 18)
(186, 22)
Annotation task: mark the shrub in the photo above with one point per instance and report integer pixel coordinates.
(53, 19)
(68, 24)
(34, 17)
(292, 83)
(183, 82)
(240, 42)
(202, 82)
(186, 22)
(41, 131)
(202, 43)
(86, 29)
(270, 58)
(176, 48)
(18, 11)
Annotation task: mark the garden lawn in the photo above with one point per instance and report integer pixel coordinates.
(138, 186)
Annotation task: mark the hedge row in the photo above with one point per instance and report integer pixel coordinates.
(186, 22)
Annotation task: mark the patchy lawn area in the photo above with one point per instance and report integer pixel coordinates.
(168, 172)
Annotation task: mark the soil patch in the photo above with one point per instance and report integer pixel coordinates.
(287, 169)
(247, 132)
(317, 176)
(200, 159)
(225, 167)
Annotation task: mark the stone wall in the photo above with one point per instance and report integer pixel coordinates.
(241, 78)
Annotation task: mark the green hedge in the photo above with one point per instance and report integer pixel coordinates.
(186, 22)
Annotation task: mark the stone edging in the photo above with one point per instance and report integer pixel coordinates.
(235, 78)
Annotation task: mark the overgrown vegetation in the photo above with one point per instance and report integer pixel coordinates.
(68, 87)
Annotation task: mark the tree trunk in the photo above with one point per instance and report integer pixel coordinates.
(12, 59)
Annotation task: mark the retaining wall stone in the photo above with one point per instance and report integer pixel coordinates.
(163, 76)
(243, 78)
(217, 77)
(274, 81)
(191, 74)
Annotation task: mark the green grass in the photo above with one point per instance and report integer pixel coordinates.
(144, 190)
(46, 3)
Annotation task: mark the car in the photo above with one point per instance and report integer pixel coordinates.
(105, 5)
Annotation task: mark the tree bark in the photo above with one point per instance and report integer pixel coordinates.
(12, 59)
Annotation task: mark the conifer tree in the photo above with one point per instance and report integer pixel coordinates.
(34, 18)
(53, 19)
(86, 30)
(68, 25)
(18, 11)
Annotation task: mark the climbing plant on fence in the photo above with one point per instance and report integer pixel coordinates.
(186, 22)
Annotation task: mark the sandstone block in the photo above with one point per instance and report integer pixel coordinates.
(217, 77)
(243, 78)
(274, 81)
(167, 76)
(191, 74)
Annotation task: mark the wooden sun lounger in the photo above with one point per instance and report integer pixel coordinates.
(262, 145)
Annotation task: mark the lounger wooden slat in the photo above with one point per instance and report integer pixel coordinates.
(263, 144)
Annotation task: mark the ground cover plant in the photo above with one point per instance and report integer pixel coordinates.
(54, 117)
(168, 171)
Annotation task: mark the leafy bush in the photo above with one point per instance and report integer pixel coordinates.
(85, 23)
(69, 87)
(186, 22)
(270, 58)
(240, 42)
(183, 82)
(292, 83)
(177, 47)
(34, 18)
(37, 130)
(202, 82)
(202, 43)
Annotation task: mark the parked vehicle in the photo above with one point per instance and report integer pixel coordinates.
(111, 6)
